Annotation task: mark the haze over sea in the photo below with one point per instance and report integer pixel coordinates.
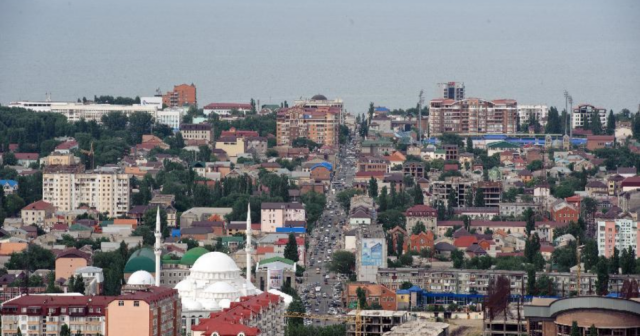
(361, 51)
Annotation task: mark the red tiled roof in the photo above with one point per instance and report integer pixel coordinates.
(67, 145)
(375, 174)
(465, 241)
(38, 205)
(227, 106)
(27, 156)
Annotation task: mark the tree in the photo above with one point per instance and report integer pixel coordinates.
(65, 331)
(51, 284)
(362, 298)
(296, 307)
(14, 204)
(532, 248)
(373, 188)
(418, 197)
(575, 331)
(33, 258)
(469, 145)
(452, 202)
(291, 249)
(614, 263)
(406, 285)
(457, 257)
(19, 333)
(602, 276)
(342, 262)
(383, 200)
(79, 332)
(466, 220)
(593, 331)
(530, 217)
(479, 198)
(139, 123)
(419, 227)
(399, 245)
(535, 165)
(79, 284)
(554, 123)
(590, 255)
(531, 281)
(406, 259)
(545, 287)
(115, 121)
(611, 123)
(628, 261)
(596, 123)
(9, 159)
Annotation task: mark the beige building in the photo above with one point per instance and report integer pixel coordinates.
(277, 215)
(232, 145)
(106, 190)
(317, 119)
(62, 159)
(77, 111)
(151, 311)
(68, 261)
(202, 132)
(36, 213)
(473, 116)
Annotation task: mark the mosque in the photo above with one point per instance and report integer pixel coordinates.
(212, 283)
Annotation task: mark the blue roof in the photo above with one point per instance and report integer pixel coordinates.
(11, 183)
(381, 109)
(415, 288)
(403, 291)
(291, 230)
(323, 164)
(495, 137)
(175, 233)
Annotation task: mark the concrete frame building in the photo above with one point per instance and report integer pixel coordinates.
(584, 112)
(462, 188)
(619, 234)
(472, 116)
(317, 119)
(106, 190)
(452, 90)
(539, 112)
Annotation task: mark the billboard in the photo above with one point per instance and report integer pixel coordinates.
(152, 101)
(372, 253)
(275, 278)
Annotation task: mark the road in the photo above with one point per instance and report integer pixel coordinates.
(326, 238)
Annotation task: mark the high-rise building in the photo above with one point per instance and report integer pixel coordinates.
(473, 116)
(147, 311)
(68, 187)
(316, 119)
(183, 94)
(539, 112)
(619, 234)
(584, 112)
(452, 90)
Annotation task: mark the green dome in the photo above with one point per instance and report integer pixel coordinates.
(145, 252)
(192, 255)
(141, 260)
(140, 264)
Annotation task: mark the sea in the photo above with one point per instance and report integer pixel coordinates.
(361, 51)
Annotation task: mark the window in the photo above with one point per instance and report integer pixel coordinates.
(120, 303)
(136, 303)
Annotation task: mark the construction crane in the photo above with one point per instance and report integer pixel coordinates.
(357, 318)
(91, 154)
(578, 259)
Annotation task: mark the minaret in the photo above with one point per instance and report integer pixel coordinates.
(248, 248)
(158, 247)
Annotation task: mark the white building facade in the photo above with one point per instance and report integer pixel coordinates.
(539, 112)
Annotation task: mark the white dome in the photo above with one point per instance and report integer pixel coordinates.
(220, 288)
(184, 285)
(215, 262)
(189, 304)
(210, 305)
(225, 303)
(141, 278)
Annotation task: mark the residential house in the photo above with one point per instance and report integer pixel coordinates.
(36, 213)
(424, 214)
(276, 215)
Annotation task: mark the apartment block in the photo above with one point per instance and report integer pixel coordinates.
(171, 117)
(461, 188)
(277, 215)
(202, 132)
(620, 234)
(150, 311)
(68, 187)
(317, 119)
(584, 112)
(452, 90)
(538, 112)
(181, 95)
(492, 192)
(469, 281)
(422, 214)
(473, 116)
(94, 112)
(373, 164)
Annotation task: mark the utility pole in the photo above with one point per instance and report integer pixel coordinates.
(566, 108)
(420, 102)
